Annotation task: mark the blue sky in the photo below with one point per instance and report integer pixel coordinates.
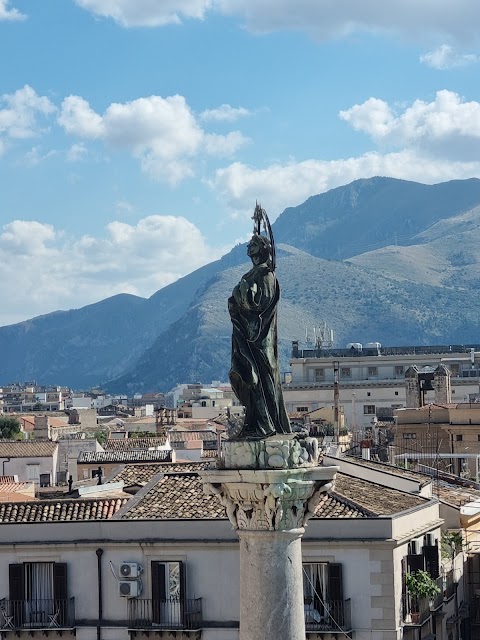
(136, 135)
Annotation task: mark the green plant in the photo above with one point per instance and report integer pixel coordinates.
(421, 585)
(451, 544)
(9, 427)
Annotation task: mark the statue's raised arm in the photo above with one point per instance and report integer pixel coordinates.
(254, 374)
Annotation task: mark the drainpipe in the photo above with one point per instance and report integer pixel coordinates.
(99, 553)
(3, 465)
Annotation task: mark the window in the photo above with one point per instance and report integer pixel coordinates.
(323, 593)
(458, 437)
(396, 393)
(319, 375)
(368, 393)
(302, 409)
(455, 370)
(369, 409)
(33, 472)
(38, 594)
(168, 593)
(399, 370)
(345, 372)
(372, 371)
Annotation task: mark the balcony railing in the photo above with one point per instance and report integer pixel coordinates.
(449, 585)
(416, 611)
(37, 614)
(172, 613)
(333, 615)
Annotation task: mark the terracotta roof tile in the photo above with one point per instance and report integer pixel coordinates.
(181, 496)
(143, 455)
(129, 444)
(184, 436)
(16, 449)
(374, 498)
(142, 473)
(59, 510)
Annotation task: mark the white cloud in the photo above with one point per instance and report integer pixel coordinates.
(78, 118)
(9, 14)
(281, 185)
(42, 269)
(425, 20)
(448, 125)
(20, 113)
(163, 133)
(146, 13)
(77, 152)
(34, 157)
(446, 57)
(224, 113)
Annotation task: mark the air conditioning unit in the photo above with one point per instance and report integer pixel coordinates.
(129, 588)
(130, 570)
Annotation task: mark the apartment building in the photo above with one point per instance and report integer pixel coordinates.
(165, 563)
(371, 378)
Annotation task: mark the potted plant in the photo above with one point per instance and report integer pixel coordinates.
(420, 585)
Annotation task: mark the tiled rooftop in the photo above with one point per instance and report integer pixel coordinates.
(180, 496)
(106, 457)
(142, 473)
(455, 495)
(16, 449)
(59, 510)
(200, 434)
(128, 444)
(177, 497)
(390, 468)
(374, 498)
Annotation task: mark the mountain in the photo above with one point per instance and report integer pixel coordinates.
(407, 272)
(370, 214)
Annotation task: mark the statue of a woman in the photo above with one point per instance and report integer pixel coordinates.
(254, 373)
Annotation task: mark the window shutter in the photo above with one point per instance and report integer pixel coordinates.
(158, 581)
(182, 580)
(16, 582)
(60, 581)
(404, 589)
(431, 560)
(415, 562)
(335, 586)
(17, 592)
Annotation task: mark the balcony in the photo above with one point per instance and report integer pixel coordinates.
(39, 615)
(166, 615)
(334, 616)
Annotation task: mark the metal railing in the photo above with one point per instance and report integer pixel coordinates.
(333, 615)
(415, 610)
(449, 585)
(37, 614)
(172, 613)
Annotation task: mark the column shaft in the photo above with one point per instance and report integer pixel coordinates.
(271, 585)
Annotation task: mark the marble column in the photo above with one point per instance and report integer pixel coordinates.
(269, 509)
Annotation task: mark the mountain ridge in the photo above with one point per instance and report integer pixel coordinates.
(182, 332)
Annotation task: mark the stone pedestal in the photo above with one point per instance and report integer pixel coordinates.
(269, 509)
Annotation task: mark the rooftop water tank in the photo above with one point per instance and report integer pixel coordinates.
(373, 345)
(355, 345)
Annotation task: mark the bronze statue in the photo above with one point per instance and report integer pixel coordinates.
(254, 373)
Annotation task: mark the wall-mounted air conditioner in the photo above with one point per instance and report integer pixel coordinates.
(129, 588)
(130, 570)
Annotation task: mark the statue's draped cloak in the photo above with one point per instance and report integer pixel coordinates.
(254, 373)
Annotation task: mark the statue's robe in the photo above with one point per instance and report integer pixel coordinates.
(254, 373)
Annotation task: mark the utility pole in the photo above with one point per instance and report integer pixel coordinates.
(336, 397)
